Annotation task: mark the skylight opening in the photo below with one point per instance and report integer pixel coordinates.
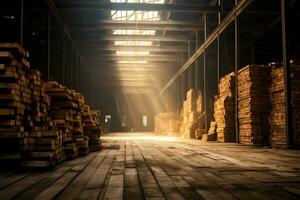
(133, 32)
(128, 15)
(133, 53)
(133, 62)
(133, 43)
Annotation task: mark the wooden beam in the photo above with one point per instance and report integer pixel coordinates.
(139, 25)
(128, 84)
(98, 6)
(155, 38)
(236, 10)
(113, 57)
(135, 48)
(133, 66)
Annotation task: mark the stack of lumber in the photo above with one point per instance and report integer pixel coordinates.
(47, 149)
(41, 123)
(62, 111)
(295, 101)
(78, 135)
(212, 132)
(14, 102)
(253, 104)
(92, 128)
(224, 107)
(192, 108)
(166, 124)
(277, 101)
(46, 140)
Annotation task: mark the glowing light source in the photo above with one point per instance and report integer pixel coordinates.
(129, 15)
(133, 53)
(133, 61)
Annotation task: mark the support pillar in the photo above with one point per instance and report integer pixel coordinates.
(236, 63)
(204, 76)
(286, 65)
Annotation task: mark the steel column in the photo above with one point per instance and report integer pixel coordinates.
(182, 88)
(49, 40)
(218, 49)
(22, 23)
(242, 5)
(196, 64)
(190, 72)
(286, 65)
(252, 53)
(182, 81)
(204, 75)
(236, 62)
(63, 56)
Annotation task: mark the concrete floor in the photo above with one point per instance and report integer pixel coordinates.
(144, 166)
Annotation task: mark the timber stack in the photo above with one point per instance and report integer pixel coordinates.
(295, 102)
(224, 108)
(192, 110)
(277, 100)
(166, 124)
(92, 128)
(253, 104)
(14, 102)
(212, 132)
(78, 134)
(62, 111)
(46, 140)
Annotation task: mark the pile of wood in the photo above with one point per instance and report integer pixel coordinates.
(192, 109)
(277, 101)
(92, 128)
(41, 123)
(253, 104)
(78, 134)
(64, 111)
(212, 132)
(166, 124)
(45, 139)
(15, 99)
(224, 109)
(295, 100)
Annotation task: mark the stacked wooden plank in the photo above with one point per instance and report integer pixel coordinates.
(91, 128)
(224, 109)
(14, 102)
(40, 122)
(192, 108)
(78, 134)
(295, 101)
(166, 124)
(212, 132)
(62, 111)
(253, 104)
(46, 140)
(277, 101)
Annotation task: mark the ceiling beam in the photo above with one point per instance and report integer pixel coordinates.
(149, 65)
(155, 38)
(128, 69)
(139, 25)
(131, 73)
(136, 48)
(128, 84)
(236, 10)
(97, 6)
(114, 57)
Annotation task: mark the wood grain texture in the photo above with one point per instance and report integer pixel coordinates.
(133, 167)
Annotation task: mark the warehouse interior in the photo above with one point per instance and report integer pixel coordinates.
(149, 99)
